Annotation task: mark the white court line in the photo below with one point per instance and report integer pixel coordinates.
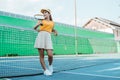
(116, 63)
(21, 67)
(18, 60)
(8, 60)
(104, 76)
(5, 79)
(110, 69)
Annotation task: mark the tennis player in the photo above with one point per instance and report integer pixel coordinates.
(43, 40)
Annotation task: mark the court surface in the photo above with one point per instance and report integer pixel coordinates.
(81, 67)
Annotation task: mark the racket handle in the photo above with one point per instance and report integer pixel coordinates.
(41, 24)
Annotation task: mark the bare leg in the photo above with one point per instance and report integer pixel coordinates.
(50, 56)
(41, 57)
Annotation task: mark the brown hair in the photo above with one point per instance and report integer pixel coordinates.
(50, 17)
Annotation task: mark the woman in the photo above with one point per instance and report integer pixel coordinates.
(43, 41)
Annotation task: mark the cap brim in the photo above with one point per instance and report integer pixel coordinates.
(44, 10)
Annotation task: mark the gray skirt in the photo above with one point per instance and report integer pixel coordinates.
(43, 40)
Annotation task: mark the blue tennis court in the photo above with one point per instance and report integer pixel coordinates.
(85, 67)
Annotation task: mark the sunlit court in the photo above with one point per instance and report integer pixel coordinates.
(43, 40)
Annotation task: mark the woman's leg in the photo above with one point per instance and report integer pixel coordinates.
(41, 57)
(50, 56)
(50, 60)
(46, 72)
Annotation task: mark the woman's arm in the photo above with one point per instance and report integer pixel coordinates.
(37, 25)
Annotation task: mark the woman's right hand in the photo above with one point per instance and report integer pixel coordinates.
(39, 22)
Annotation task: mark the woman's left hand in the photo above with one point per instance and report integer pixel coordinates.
(55, 33)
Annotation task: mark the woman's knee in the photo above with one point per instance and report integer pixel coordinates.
(50, 55)
(49, 52)
(41, 52)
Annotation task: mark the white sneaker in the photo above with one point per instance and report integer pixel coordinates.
(47, 72)
(50, 68)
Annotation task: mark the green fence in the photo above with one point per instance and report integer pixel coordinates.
(19, 41)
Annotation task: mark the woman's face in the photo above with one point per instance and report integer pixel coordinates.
(46, 14)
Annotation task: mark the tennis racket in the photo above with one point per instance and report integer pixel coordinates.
(39, 16)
